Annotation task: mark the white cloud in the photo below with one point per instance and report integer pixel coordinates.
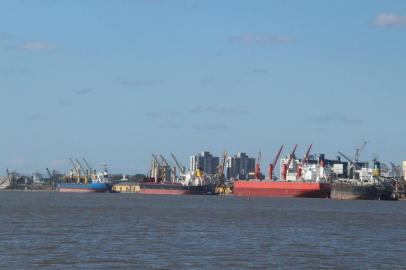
(37, 46)
(390, 20)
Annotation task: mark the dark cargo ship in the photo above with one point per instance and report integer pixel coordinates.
(161, 188)
(354, 191)
(359, 191)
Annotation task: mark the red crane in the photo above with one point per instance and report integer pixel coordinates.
(286, 165)
(306, 157)
(273, 165)
(258, 166)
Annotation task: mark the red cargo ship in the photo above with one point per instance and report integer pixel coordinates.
(256, 188)
(298, 179)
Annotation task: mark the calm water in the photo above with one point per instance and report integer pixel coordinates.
(127, 231)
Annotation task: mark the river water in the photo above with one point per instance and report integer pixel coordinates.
(41, 230)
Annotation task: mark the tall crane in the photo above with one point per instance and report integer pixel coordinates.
(80, 165)
(220, 172)
(350, 161)
(87, 165)
(182, 168)
(166, 163)
(159, 173)
(168, 166)
(286, 166)
(358, 151)
(306, 157)
(258, 166)
(156, 159)
(221, 187)
(51, 177)
(272, 165)
(74, 166)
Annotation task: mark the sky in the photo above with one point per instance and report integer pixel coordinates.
(115, 81)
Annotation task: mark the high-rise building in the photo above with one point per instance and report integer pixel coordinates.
(205, 161)
(239, 166)
(404, 170)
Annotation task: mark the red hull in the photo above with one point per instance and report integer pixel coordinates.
(281, 189)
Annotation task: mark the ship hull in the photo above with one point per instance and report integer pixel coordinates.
(348, 191)
(172, 189)
(281, 189)
(84, 188)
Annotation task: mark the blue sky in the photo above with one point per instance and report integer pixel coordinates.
(115, 81)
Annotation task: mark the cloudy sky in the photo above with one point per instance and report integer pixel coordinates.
(115, 81)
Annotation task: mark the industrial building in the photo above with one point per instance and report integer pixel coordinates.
(206, 162)
(239, 166)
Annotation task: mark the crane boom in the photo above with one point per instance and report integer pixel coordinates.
(80, 165)
(167, 165)
(223, 164)
(271, 167)
(156, 159)
(220, 171)
(74, 166)
(275, 161)
(291, 156)
(349, 160)
(87, 165)
(358, 151)
(306, 157)
(164, 160)
(49, 173)
(180, 165)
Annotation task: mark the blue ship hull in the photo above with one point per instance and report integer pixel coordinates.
(91, 187)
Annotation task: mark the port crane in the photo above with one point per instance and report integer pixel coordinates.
(306, 157)
(168, 166)
(86, 172)
(258, 166)
(221, 168)
(182, 168)
(87, 165)
(51, 177)
(74, 165)
(303, 163)
(160, 168)
(358, 151)
(80, 165)
(221, 187)
(286, 166)
(352, 162)
(272, 165)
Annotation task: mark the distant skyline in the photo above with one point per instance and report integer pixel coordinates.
(115, 81)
